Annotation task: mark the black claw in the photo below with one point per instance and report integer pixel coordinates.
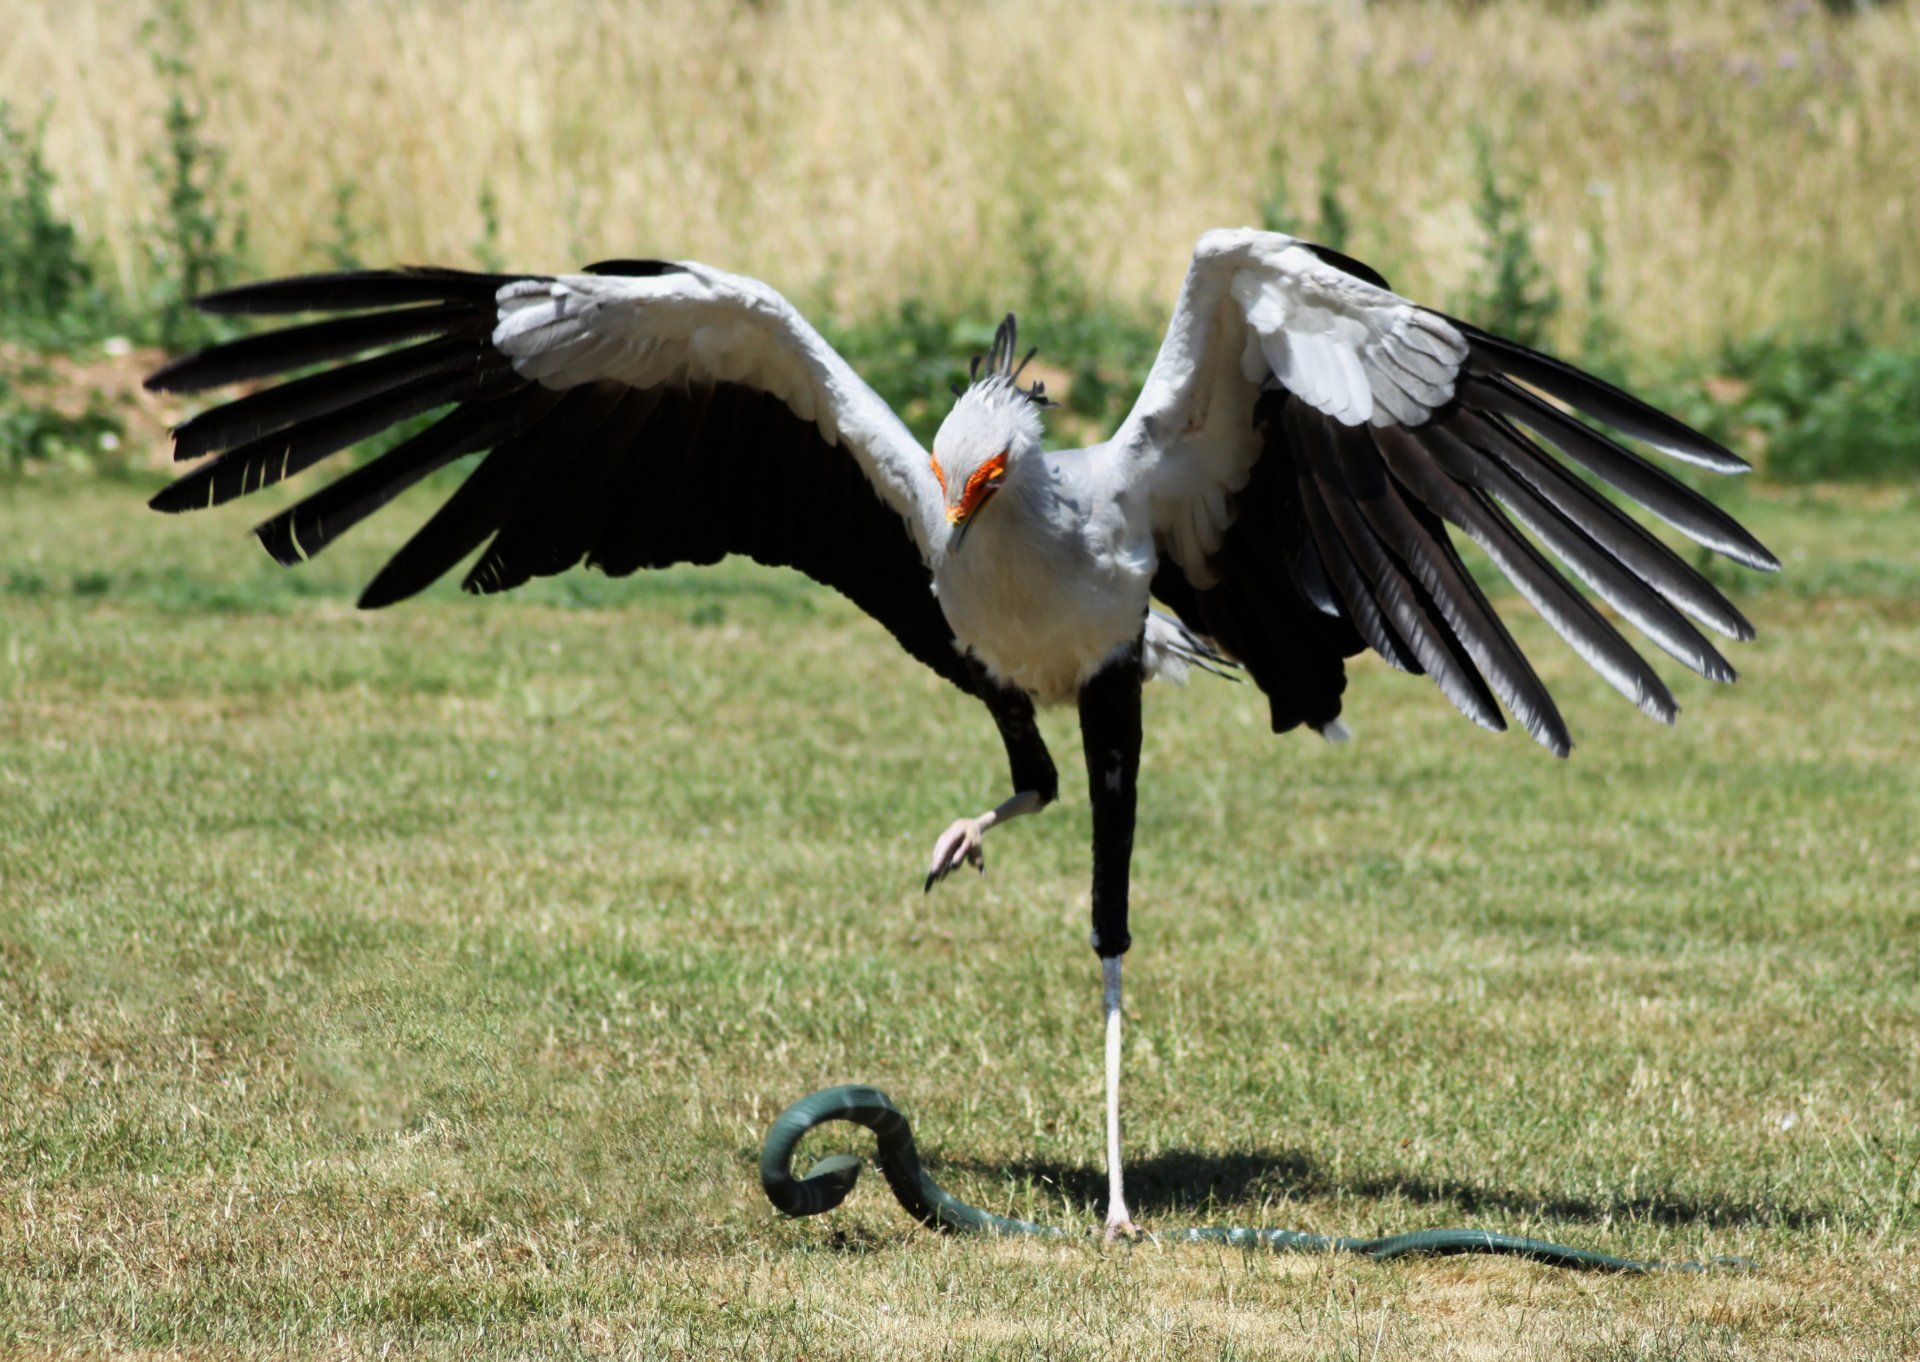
(932, 875)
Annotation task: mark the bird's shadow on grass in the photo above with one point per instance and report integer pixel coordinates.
(1186, 1182)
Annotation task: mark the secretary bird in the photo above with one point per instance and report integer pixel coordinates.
(1284, 487)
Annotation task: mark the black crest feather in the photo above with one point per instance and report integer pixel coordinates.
(1000, 367)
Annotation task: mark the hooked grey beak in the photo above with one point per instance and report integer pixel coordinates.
(962, 516)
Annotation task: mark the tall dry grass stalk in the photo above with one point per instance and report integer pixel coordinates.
(1744, 165)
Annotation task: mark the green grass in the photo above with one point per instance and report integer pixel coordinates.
(425, 980)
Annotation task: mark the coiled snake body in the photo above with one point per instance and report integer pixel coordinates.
(827, 1183)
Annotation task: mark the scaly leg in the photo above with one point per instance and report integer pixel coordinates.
(1119, 1219)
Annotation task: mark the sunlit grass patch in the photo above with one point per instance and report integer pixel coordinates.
(427, 978)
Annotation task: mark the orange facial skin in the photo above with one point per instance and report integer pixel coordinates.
(981, 484)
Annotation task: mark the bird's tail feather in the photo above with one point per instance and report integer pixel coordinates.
(1172, 648)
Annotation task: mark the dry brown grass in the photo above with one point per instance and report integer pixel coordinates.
(864, 151)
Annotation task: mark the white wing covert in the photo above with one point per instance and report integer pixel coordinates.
(1347, 349)
(1307, 436)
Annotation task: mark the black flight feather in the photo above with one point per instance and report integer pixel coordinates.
(1394, 597)
(609, 478)
(1255, 609)
(1570, 614)
(276, 352)
(1596, 398)
(1356, 595)
(645, 269)
(248, 418)
(523, 543)
(1637, 550)
(267, 460)
(482, 503)
(1429, 560)
(1673, 501)
(1589, 560)
(1346, 264)
(307, 527)
(355, 290)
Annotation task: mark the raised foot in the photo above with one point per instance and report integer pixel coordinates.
(963, 843)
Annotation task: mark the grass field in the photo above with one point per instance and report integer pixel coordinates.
(424, 981)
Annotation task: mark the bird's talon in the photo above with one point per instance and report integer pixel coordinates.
(1118, 1230)
(961, 844)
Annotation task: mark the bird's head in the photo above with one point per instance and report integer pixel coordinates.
(991, 431)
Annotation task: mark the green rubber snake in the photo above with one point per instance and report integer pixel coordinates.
(827, 1183)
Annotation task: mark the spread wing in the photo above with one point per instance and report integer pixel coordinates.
(1307, 437)
(640, 414)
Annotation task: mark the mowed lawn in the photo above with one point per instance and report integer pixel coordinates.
(424, 981)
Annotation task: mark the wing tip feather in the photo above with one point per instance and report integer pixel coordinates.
(379, 593)
(277, 537)
(172, 500)
(159, 380)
